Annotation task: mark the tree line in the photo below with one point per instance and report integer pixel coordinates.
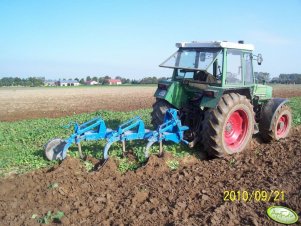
(102, 80)
(282, 78)
(287, 79)
(39, 81)
(15, 81)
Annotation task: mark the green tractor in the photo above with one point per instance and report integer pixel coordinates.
(214, 88)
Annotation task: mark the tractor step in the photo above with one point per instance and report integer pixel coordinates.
(133, 129)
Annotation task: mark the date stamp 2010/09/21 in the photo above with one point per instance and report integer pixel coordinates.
(255, 195)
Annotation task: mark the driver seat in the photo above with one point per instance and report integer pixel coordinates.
(204, 76)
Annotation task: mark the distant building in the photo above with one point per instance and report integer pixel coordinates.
(49, 83)
(67, 83)
(113, 82)
(91, 83)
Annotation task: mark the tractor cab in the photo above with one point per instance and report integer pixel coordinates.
(214, 63)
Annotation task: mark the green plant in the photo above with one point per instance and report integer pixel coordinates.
(125, 165)
(173, 164)
(88, 165)
(178, 151)
(232, 162)
(295, 104)
(139, 153)
(58, 216)
(259, 152)
(53, 185)
(49, 217)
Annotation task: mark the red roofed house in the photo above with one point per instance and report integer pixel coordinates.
(113, 82)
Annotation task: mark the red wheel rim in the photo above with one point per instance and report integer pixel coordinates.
(282, 125)
(236, 129)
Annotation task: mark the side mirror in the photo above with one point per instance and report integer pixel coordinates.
(259, 59)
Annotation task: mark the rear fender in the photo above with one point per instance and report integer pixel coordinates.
(269, 110)
(212, 101)
(172, 93)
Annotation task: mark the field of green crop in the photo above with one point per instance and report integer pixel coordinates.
(21, 142)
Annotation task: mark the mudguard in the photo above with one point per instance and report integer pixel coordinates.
(268, 112)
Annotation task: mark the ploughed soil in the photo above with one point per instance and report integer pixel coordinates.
(29, 103)
(193, 194)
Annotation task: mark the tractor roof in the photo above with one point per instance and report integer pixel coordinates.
(215, 44)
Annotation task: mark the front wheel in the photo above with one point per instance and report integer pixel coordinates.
(281, 124)
(229, 127)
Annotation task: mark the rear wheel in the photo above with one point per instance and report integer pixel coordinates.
(159, 109)
(281, 124)
(229, 127)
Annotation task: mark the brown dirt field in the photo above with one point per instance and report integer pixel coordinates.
(28, 103)
(155, 195)
(286, 91)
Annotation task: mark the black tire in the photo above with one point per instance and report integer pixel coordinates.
(278, 133)
(159, 109)
(219, 123)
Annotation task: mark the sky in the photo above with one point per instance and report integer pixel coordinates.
(73, 38)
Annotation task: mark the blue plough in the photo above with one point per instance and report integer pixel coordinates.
(133, 129)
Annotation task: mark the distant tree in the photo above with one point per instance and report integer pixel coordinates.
(17, 81)
(149, 80)
(7, 81)
(154, 80)
(88, 78)
(101, 80)
(107, 77)
(35, 81)
(26, 82)
(275, 80)
(76, 79)
(134, 81)
(162, 78)
(232, 77)
(262, 76)
(290, 78)
(125, 81)
(105, 82)
(95, 79)
(82, 81)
